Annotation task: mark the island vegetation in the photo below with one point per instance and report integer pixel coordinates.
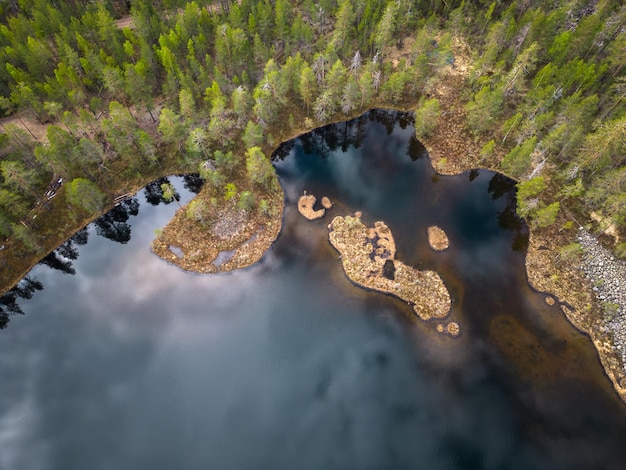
(437, 238)
(306, 206)
(368, 256)
(102, 97)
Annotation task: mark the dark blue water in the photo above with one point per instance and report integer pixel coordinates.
(131, 363)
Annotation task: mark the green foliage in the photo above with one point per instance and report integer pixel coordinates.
(308, 86)
(264, 207)
(230, 191)
(242, 104)
(386, 27)
(351, 97)
(576, 189)
(546, 216)
(221, 128)
(253, 135)
(186, 103)
(197, 210)
(487, 150)
(393, 89)
(225, 161)
(530, 188)
(527, 191)
(17, 177)
(606, 147)
(171, 127)
(84, 194)
(197, 143)
(426, 116)
(524, 64)
(517, 161)
(259, 169)
(169, 192)
(26, 236)
(543, 76)
(212, 177)
(13, 204)
(125, 135)
(246, 201)
(484, 109)
(344, 27)
(325, 106)
(573, 250)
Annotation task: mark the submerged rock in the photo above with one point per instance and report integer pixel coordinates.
(437, 238)
(367, 255)
(327, 203)
(452, 328)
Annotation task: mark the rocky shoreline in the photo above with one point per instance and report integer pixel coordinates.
(608, 278)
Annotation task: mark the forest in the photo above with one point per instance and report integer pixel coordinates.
(102, 97)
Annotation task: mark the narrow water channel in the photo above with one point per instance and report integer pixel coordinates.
(132, 363)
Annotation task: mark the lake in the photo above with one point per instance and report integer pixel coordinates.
(131, 363)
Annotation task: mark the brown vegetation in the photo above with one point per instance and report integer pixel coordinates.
(437, 238)
(367, 256)
(305, 207)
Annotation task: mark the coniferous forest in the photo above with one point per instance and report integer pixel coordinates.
(102, 97)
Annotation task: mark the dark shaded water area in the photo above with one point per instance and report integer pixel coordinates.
(124, 361)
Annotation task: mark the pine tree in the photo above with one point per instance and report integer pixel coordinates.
(84, 194)
(517, 162)
(172, 128)
(426, 116)
(308, 86)
(258, 167)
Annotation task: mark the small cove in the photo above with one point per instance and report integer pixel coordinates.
(132, 363)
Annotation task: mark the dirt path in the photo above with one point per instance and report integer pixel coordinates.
(27, 123)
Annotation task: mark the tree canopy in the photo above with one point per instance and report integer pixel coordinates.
(126, 87)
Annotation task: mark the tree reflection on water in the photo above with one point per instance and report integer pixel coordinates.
(61, 258)
(508, 219)
(114, 226)
(8, 302)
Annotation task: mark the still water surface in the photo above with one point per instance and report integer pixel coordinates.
(131, 363)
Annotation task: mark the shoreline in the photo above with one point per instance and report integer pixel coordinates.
(546, 271)
(452, 150)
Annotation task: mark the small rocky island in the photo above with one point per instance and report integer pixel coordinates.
(306, 203)
(452, 328)
(368, 259)
(437, 238)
